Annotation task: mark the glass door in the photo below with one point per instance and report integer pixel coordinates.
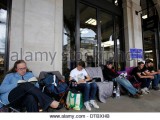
(107, 41)
(150, 45)
(91, 33)
(3, 38)
(99, 36)
(88, 35)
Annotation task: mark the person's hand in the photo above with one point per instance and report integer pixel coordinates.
(151, 77)
(54, 104)
(81, 81)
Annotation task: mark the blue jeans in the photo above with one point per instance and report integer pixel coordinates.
(88, 90)
(156, 80)
(145, 82)
(126, 84)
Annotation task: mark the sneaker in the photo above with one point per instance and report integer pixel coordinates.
(139, 92)
(146, 90)
(88, 107)
(136, 96)
(94, 104)
(155, 88)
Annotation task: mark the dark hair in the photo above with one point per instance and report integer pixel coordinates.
(82, 63)
(148, 61)
(13, 70)
(139, 63)
(109, 62)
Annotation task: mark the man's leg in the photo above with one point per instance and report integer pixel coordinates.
(126, 84)
(145, 82)
(155, 82)
(93, 90)
(85, 89)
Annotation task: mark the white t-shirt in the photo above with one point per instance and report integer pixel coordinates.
(78, 75)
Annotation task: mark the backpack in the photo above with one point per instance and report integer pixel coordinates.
(52, 84)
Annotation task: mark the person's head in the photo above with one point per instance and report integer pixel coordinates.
(140, 65)
(109, 64)
(81, 65)
(149, 63)
(20, 67)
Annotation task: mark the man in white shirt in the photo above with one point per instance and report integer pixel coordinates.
(88, 90)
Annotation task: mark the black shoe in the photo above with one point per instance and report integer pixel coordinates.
(60, 106)
(136, 96)
(155, 88)
(139, 92)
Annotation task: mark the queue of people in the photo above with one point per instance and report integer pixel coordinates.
(30, 96)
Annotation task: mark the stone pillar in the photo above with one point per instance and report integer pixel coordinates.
(132, 28)
(36, 34)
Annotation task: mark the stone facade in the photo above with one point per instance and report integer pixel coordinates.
(36, 34)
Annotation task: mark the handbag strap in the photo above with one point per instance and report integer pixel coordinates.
(54, 80)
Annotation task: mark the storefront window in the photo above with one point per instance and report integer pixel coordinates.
(88, 35)
(150, 31)
(107, 41)
(3, 39)
(93, 37)
(68, 55)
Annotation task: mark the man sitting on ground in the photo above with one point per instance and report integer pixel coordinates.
(149, 70)
(111, 75)
(139, 73)
(89, 90)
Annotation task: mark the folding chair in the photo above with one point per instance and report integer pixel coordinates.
(7, 108)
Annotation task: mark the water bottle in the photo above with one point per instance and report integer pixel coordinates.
(118, 92)
(114, 92)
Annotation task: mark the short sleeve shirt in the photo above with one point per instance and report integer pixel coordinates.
(78, 75)
(145, 69)
(136, 70)
(150, 69)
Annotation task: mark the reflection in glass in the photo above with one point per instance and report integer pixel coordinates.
(68, 55)
(3, 17)
(149, 45)
(107, 42)
(88, 35)
(120, 54)
(3, 22)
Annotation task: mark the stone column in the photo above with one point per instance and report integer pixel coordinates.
(132, 28)
(36, 34)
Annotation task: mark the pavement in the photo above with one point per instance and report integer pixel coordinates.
(147, 103)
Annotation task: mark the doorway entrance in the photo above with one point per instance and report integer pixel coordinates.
(92, 33)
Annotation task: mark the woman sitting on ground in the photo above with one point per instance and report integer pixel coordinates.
(23, 94)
